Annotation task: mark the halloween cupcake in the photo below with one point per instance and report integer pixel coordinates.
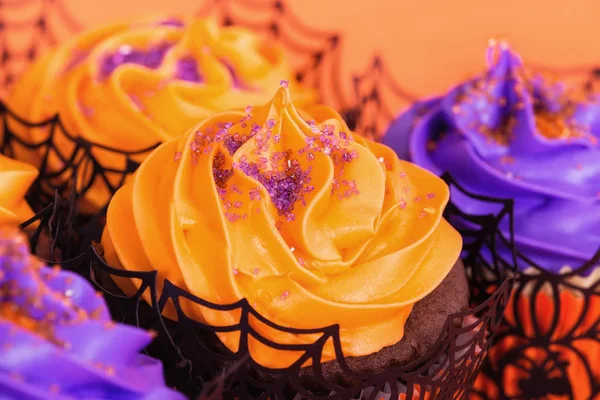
(15, 179)
(291, 211)
(130, 86)
(57, 340)
(514, 133)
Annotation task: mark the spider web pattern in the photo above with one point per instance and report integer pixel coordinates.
(27, 29)
(374, 97)
(542, 350)
(81, 166)
(447, 372)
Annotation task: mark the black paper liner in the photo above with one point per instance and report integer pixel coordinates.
(549, 341)
(80, 169)
(193, 355)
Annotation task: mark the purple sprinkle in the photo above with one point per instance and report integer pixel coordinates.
(231, 144)
(221, 176)
(284, 83)
(284, 187)
(172, 22)
(187, 70)
(237, 81)
(126, 54)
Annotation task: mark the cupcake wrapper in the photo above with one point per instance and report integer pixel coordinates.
(549, 342)
(402, 390)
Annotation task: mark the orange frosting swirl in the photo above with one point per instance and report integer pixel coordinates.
(15, 179)
(132, 85)
(314, 226)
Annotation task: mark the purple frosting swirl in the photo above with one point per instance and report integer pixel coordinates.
(513, 134)
(57, 340)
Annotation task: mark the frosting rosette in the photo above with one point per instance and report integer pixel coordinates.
(57, 340)
(15, 179)
(129, 86)
(313, 225)
(514, 133)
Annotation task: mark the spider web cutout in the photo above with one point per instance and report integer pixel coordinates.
(27, 29)
(374, 98)
(446, 372)
(535, 353)
(80, 168)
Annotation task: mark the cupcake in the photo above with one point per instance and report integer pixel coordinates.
(310, 223)
(514, 133)
(57, 340)
(129, 86)
(15, 179)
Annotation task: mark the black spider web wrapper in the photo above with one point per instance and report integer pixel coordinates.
(79, 166)
(548, 345)
(192, 353)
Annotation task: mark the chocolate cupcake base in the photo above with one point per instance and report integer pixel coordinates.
(422, 330)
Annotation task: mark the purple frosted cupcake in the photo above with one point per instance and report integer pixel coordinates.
(511, 133)
(57, 340)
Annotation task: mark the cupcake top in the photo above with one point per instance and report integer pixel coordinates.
(130, 86)
(15, 179)
(514, 133)
(57, 340)
(293, 212)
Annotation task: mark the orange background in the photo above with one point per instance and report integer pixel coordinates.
(424, 46)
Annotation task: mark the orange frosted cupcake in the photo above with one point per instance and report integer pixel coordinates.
(313, 225)
(15, 179)
(129, 86)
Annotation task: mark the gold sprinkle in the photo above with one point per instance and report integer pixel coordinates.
(108, 325)
(429, 210)
(97, 313)
(507, 160)
(16, 376)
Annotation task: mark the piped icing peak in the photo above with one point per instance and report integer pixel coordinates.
(132, 85)
(517, 110)
(517, 133)
(15, 179)
(57, 339)
(290, 210)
